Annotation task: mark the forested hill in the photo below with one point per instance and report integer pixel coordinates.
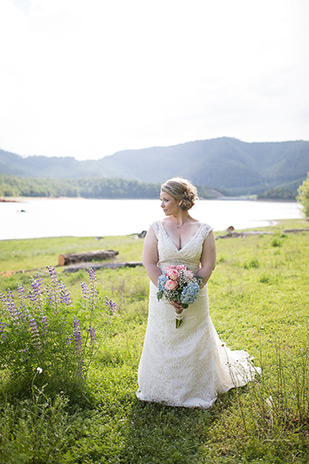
(224, 164)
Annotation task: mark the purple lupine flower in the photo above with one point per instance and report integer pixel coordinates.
(36, 284)
(90, 293)
(69, 340)
(112, 305)
(35, 332)
(35, 294)
(21, 315)
(93, 337)
(3, 298)
(44, 326)
(77, 336)
(65, 297)
(78, 346)
(52, 293)
(85, 290)
(92, 274)
(2, 329)
(52, 273)
(11, 305)
(22, 301)
(21, 295)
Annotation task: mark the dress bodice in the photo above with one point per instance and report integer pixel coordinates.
(189, 255)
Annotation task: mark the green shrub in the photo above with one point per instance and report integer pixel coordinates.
(276, 242)
(303, 195)
(252, 263)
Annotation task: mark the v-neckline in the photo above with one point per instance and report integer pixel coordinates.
(182, 248)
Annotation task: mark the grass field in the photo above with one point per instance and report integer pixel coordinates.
(258, 301)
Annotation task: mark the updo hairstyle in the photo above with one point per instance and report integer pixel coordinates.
(182, 190)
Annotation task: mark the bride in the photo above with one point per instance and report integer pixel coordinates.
(187, 366)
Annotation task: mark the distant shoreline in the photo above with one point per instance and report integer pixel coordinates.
(21, 199)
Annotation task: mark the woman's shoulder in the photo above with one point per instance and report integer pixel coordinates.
(156, 227)
(205, 229)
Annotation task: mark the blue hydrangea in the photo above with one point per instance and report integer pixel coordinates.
(161, 282)
(189, 293)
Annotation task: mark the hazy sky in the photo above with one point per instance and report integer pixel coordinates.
(86, 78)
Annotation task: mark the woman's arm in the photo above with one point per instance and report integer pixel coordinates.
(208, 258)
(150, 256)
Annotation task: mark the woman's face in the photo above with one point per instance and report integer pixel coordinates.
(169, 205)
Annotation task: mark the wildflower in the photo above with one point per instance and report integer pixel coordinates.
(3, 298)
(65, 297)
(21, 296)
(35, 332)
(112, 305)
(93, 289)
(52, 293)
(93, 336)
(85, 290)
(2, 329)
(39, 370)
(11, 305)
(78, 346)
(77, 336)
(92, 275)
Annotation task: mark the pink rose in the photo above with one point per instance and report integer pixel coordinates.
(173, 274)
(180, 267)
(188, 274)
(171, 284)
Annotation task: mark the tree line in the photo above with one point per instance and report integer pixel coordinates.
(116, 188)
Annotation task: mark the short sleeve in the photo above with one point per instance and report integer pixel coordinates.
(206, 229)
(156, 226)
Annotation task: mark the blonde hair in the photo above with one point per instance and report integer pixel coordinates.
(182, 190)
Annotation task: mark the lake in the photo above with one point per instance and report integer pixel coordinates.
(34, 218)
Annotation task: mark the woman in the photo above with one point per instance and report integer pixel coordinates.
(186, 366)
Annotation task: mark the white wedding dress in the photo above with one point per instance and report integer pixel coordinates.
(187, 366)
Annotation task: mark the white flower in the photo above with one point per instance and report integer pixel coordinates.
(39, 369)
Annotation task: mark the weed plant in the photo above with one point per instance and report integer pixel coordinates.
(41, 333)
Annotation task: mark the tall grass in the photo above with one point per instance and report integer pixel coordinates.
(258, 302)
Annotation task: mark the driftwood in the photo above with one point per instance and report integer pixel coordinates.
(243, 234)
(232, 234)
(295, 231)
(86, 256)
(78, 267)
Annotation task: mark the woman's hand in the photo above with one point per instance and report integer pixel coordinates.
(177, 306)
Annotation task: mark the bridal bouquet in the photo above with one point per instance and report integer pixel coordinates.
(179, 284)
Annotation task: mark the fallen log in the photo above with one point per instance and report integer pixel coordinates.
(86, 256)
(243, 234)
(78, 267)
(295, 231)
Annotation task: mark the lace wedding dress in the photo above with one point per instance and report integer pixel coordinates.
(187, 366)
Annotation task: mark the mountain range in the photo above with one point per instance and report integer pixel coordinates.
(224, 164)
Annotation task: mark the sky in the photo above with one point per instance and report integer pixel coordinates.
(88, 78)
